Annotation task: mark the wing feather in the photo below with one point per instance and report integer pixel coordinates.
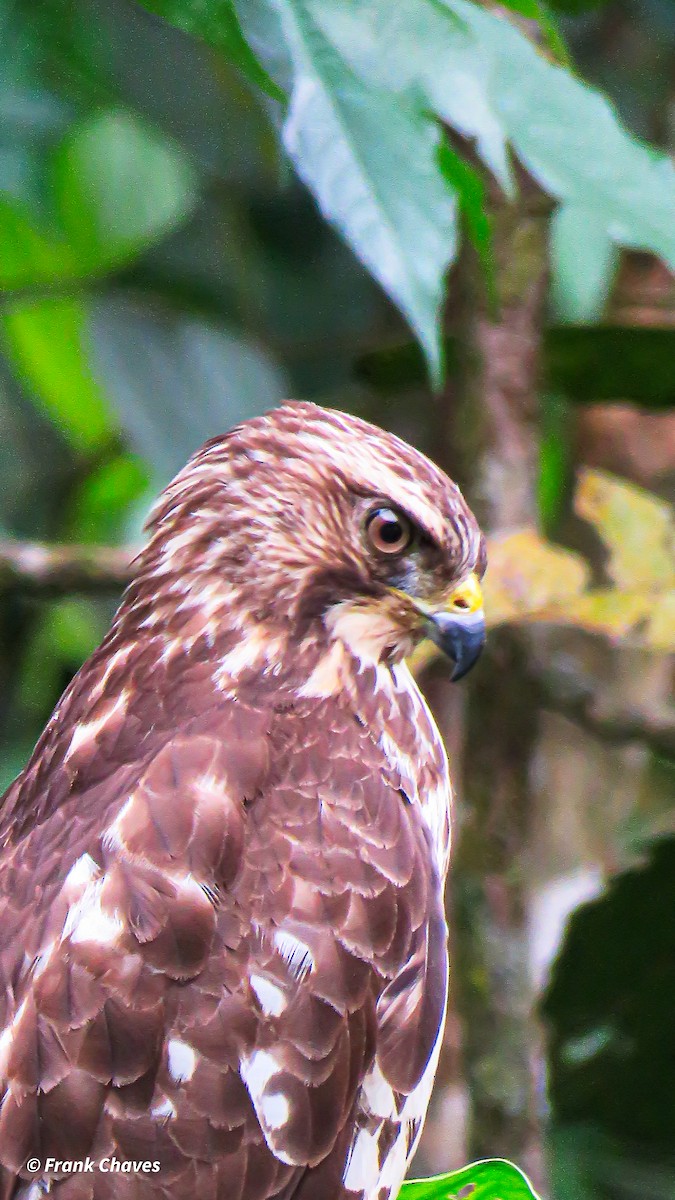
(209, 936)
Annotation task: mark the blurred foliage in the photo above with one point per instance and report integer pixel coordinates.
(165, 273)
(492, 1179)
(612, 1038)
(583, 363)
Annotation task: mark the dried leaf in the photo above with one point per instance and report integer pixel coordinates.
(643, 617)
(527, 574)
(638, 529)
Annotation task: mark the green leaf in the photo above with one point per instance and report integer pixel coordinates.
(216, 22)
(554, 457)
(119, 186)
(66, 632)
(608, 1013)
(595, 363)
(472, 197)
(28, 258)
(424, 56)
(100, 510)
(478, 63)
(46, 343)
(584, 259)
(533, 10)
(373, 167)
(491, 1179)
(570, 139)
(262, 27)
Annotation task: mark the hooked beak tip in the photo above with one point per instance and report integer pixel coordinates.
(461, 637)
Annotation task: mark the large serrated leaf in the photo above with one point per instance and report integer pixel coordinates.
(584, 259)
(216, 22)
(569, 137)
(414, 50)
(373, 167)
(490, 1179)
(369, 83)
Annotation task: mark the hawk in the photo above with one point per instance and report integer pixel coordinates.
(222, 939)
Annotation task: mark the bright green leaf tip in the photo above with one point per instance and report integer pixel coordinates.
(489, 1179)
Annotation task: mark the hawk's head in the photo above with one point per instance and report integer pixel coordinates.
(314, 523)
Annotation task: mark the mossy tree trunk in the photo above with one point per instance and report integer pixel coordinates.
(488, 430)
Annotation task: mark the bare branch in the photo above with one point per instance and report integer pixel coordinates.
(576, 700)
(58, 569)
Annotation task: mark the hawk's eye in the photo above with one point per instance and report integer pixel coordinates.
(389, 532)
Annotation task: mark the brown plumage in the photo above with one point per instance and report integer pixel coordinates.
(222, 941)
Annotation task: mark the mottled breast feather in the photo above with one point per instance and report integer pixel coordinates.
(222, 940)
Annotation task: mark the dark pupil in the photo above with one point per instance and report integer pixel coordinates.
(391, 532)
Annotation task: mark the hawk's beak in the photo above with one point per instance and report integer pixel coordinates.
(458, 628)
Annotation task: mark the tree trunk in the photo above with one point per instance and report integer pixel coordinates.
(489, 435)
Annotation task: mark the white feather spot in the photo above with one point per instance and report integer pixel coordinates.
(35, 1190)
(111, 838)
(88, 731)
(246, 654)
(42, 959)
(328, 676)
(395, 1164)
(406, 766)
(416, 1104)
(256, 1071)
(296, 955)
(7, 1036)
(181, 1060)
(363, 1165)
(271, 998)
(377, 1097)
(164, 1109)
(114, 661)
(83, 870)
(87, 922)
(275, 1110)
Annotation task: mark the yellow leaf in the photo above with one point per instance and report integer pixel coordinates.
(527, 573)
(606, 610)
(644, 618)
(660, 634)
(638, 529)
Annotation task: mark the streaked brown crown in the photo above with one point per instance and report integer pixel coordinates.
(273, 512)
